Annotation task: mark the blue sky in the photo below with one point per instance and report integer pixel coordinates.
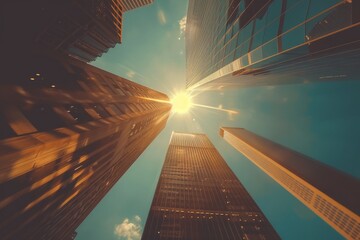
(317, 119)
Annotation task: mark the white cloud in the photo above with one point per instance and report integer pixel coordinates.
(129, 230)
(161, 17)
(130, 74)
(137, 219)
(182, 25)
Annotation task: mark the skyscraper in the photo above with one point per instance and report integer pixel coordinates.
(266, 42)
(331, 194)
(83, 29)
(199, 197)
(68, 132)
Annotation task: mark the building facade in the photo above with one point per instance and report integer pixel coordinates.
(68, 132)
(131, 4)
(82, 29)
(331, 194)
(265, 42)
(199, 197)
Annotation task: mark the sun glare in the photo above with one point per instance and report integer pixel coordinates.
(181, 102)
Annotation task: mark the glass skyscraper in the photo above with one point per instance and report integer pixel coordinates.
(265, 42)
(199, 197)
(331, 194)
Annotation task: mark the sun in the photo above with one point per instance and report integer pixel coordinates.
(181, 102)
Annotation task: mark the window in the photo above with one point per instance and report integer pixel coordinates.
(270, 43)
(42, 117)
(257, 38)
(100, 111)
(124, 109)
(316, 7)
(244, 40)
(330, 21)
(294, 27)
(5, 130)
(78, 113)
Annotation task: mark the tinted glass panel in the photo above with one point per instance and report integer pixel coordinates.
(43, 117)
(78, 113)
(101, 111)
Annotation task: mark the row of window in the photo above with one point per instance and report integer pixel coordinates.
(207, 177)
(337, 217)
(271, 26)
(45, 117)
(188, 226)
(117, 86)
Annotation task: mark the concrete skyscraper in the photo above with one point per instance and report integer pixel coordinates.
(199, 197)
(83, 29)
(68, 132)
(331, 194)
(266, 42)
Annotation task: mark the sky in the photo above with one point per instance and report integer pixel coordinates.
(317, 119)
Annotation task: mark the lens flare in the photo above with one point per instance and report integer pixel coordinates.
(181, 103)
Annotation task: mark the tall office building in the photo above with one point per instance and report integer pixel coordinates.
(83, 29)
(265, 42)
(331, 194)
(131, 4)
(199, 197)
(68, 132)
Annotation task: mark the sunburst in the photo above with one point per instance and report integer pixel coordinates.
(181, 102)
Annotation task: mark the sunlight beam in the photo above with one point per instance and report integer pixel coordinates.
(155, 100)
(182, 104)
(215, 108)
